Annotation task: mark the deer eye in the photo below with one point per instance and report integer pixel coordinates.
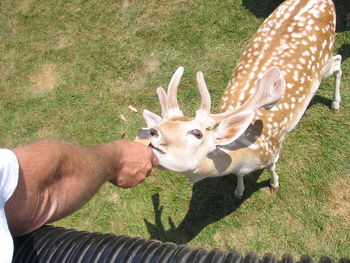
(196, 133)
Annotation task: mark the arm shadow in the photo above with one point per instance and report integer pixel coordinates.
(212, 199)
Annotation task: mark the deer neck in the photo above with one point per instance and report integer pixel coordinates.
(239, 157)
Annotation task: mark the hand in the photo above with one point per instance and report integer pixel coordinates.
(135, 162)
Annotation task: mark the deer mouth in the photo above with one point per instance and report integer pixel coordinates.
(157, 149)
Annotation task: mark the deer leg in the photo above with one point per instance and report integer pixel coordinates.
(240, 187)
(274, 181)
(337, 76)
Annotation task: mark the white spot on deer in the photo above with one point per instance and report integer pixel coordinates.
(315, 13)
(302, 18)
(312, 38)
(241, 96)
(253, 146)
(313, 49)
(290, 85)
(296, 75)
(297, 35)
(330, 45)
(306, 53)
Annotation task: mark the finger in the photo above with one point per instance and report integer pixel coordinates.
(154, 160)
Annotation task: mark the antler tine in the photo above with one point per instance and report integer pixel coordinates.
(172, 91)
(205, 95)
(163, 101)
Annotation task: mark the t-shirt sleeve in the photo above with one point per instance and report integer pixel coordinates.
(9, 170)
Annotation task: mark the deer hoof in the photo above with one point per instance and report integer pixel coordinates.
(273, 190)
(238, 196)
(335, 106)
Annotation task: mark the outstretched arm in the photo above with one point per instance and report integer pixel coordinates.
(57, 178)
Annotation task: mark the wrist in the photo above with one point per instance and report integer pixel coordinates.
(108, 155)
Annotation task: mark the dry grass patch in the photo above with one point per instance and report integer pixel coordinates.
(152, 65)
(25, 5)
(46, 132)
(45, 80)
(138, 79)
(340, 196)
(63, 42)
(125, 4)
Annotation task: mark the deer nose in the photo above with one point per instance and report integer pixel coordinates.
(153, 132)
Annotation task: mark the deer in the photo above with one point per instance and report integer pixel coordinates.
(271, 87)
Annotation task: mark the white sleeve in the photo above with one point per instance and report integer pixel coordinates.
(9, 169)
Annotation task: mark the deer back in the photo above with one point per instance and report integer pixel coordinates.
(298, 37)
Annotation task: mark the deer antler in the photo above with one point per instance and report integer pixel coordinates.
(168, 101)
(205, 96)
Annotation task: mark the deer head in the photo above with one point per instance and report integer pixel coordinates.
(183, 143)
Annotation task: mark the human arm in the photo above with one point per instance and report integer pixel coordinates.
(57, 178)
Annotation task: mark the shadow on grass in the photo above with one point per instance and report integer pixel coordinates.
(317, 99)
(263, 8)
(344, 51)
(342, 8)
(212, 199)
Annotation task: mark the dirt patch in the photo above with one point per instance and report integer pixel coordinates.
(45, 80)
(63, 42)
(125, 4)
(340, 197)
(152, 65)
(114, 198)
(138, 79)
(25, 6)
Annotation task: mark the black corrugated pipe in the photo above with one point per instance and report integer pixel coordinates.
(60, 245)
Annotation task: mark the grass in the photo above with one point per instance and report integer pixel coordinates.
(69, 69)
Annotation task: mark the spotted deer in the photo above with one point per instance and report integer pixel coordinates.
(270, 89)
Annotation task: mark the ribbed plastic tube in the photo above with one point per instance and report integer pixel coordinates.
(60, 245)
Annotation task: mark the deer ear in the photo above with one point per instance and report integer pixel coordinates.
(230, 128)
(151, 118)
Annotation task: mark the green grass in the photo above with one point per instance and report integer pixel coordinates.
(68, 69)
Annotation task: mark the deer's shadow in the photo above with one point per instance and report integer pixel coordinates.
(263, 8)
(212, 199)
